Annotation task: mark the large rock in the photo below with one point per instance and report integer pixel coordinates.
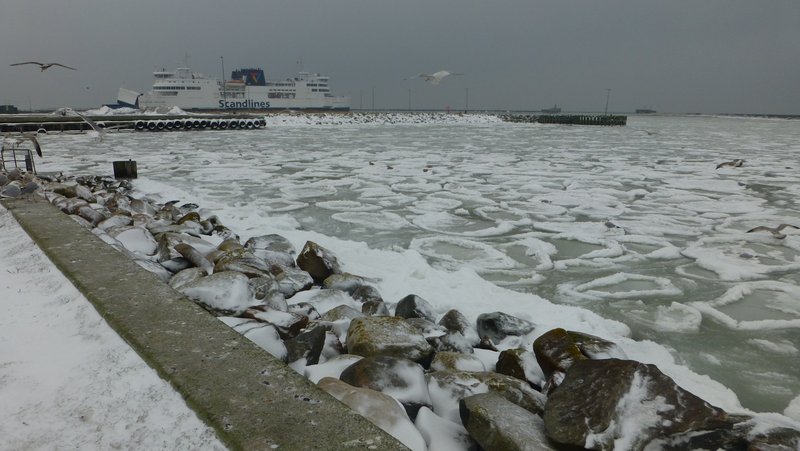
(248, 265)
(196, 257)
(455, 321)
(367, 293)
(271, 242)
(452, 342)
(319, 262)
(186, 276)
(339, 313)
(380, 409)
(225, 292)
(344, 281)
(498, 424)
(292, 280)
(288, 324)
(623, 404)
(306, 345)
(456, 361)
(498, 325)
(387, 335)
(375, 308)
(558, 349)
(413, 306)
(521, 364)
(264, 335)
(399, 378)
(447, 388)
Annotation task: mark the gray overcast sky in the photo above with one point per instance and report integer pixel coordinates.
(709, 56)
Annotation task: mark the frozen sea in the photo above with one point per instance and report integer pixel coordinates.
(630, 231)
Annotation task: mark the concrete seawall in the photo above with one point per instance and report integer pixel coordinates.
(251, 399)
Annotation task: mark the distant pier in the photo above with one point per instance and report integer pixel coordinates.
(567, 119)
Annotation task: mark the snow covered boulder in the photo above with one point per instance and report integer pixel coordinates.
(399, 378)
(224, 292)
(521, 364)
(375, 308)
(292, 280)
(307, 345)
(456, 361)
(413, 306)
(271, 242)
(186, 276)
(367, 293)
(499, 325)
(558, 349)
(135, 239)
(456, 321)
(496, 423)
(380, 409)
(288, 324)
(245, 263)
(387, 335)
(344, 281)
(441, 434)
(447, 388)
(318, 261)
(196, 257)
(452, 342)
(623, 404)
(339, 313)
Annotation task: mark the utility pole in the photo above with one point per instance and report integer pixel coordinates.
(608, 94)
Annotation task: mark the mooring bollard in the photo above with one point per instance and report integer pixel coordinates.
(125, 169)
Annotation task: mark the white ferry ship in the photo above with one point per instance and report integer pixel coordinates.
(246, 90)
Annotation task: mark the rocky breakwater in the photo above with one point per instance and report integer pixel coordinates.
(434, 382)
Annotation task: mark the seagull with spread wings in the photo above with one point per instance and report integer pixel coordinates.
(436, 77)
(44, 66)
(775, 231)
(18, 139)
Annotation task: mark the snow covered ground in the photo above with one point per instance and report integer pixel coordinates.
(67, 380)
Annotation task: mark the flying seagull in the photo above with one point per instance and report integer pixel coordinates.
(31, 137)
(44, 66)
(733, 164)
(67, 110)
(775, 231)
(436, 77)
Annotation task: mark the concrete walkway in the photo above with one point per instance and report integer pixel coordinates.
(251, 399)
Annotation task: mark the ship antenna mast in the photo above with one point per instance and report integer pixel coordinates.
(224, 93)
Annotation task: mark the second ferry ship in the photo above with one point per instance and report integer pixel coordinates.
(247, 89)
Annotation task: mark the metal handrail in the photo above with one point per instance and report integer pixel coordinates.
(17, 156)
